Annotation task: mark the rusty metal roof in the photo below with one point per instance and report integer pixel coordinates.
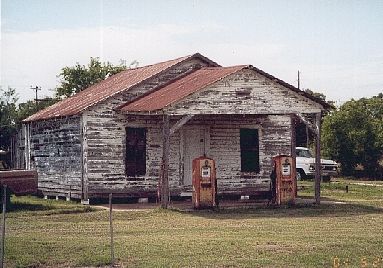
(195, 81)
(107, 88)
(180, 89)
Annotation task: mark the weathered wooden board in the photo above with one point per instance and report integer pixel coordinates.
(56, 155)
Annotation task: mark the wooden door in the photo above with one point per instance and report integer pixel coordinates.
(196, 144)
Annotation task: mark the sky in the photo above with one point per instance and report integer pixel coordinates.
(336, 45)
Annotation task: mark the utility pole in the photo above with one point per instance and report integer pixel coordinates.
(36, 88)
(299, 81)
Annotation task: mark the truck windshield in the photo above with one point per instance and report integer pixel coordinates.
(304, 153)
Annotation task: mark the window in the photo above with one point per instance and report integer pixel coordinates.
(249, 140)
(303, 153)
(135, 151)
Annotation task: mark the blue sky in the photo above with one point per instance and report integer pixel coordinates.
(337, 45)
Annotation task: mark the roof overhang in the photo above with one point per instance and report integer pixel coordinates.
(158, 101)
(110, 87)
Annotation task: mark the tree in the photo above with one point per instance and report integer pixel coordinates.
(12, 114)
(353, 135)
(315, 94)
(79, 77)
(8, 116)
(319, 96)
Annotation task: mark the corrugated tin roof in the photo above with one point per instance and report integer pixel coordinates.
(180, 88)
(107, 88)
(195, 81)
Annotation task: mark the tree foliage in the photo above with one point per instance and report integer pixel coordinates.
(353, 135)
(11, 114)
(319, 96)
(315, 94)
(79, 77)
(8, 116)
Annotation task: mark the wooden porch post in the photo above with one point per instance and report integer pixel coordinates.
(293, 136)
(165, 163)
(318, 166)
(293, 150)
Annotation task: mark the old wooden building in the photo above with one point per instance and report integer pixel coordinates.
(123, 134)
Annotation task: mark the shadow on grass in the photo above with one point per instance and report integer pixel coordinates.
(17, 206)
(46, 208)
(291, 211)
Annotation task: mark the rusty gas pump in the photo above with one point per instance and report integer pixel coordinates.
(204, 183)
(284, 180)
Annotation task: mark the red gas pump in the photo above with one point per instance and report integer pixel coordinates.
(204, 183)
(285, 179)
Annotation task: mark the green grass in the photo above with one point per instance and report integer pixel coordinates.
(358, 191)
(58, 233)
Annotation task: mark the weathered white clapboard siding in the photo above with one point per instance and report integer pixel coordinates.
(106, 167)
(104, 140)
(274, 138)
(245, 92)
(85, 154)
(56, 150)
(224, 147)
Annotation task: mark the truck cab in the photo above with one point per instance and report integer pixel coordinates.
(305, 165)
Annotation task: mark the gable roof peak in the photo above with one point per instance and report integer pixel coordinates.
(109, 87)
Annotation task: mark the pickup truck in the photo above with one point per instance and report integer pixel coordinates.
(305, 165)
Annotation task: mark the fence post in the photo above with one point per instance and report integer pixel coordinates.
(3, 225)
(111, 230)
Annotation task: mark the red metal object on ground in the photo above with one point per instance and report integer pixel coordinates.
(204, 183)
(19, 182)
(285, 175)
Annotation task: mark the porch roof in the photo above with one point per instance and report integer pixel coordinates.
(180, 89)
(195, 81)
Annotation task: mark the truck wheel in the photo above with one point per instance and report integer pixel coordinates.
(300, 174)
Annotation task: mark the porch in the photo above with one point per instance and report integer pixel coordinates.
(172, 142)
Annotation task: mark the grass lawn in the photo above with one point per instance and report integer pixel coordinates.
(58, 233)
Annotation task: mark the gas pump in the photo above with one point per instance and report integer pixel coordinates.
(285, 179)
(204, 183)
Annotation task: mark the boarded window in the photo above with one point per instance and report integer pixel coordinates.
(135, 151)
(249, 139)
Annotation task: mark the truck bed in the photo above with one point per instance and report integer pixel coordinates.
(19, 182)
